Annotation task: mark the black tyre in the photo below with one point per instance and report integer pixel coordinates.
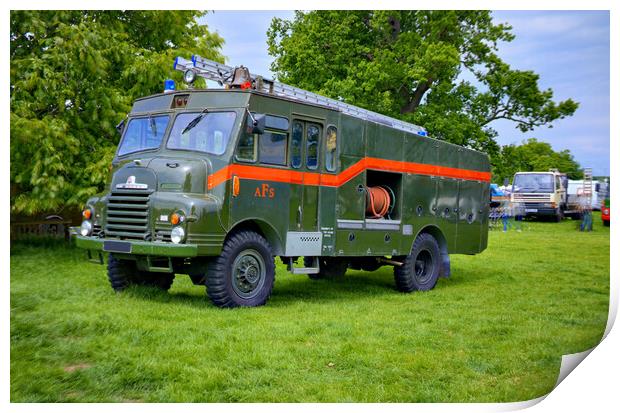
(160, 280)
(606, 223)
(243, 275)
(420, 269)
(368, 264)
(123, 273)
(329, 267)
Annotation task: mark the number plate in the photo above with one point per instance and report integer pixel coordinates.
(530, 210)
(117, 246)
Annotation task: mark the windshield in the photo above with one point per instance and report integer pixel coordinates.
(210, 133)
(143, 133)
(533, 183)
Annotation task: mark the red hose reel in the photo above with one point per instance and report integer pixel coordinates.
(379, 201)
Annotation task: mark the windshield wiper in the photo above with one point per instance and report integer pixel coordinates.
(153, 125)
(195, 121)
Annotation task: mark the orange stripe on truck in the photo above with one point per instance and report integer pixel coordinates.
(261, 173)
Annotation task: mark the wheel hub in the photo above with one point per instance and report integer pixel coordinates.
(248, 273)
(423, 266)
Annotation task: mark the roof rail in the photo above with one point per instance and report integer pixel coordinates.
(225, 75)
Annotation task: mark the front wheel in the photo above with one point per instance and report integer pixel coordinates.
(420, 269)
(123, 273)
(243, 275)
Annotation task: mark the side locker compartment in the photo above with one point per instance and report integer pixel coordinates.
(420, 191)
(484, 206)
(384, 148)
(446, 205)
(470, 211)
(350, 200)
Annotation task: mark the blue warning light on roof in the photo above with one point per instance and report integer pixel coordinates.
(422, 133)
(169, 86)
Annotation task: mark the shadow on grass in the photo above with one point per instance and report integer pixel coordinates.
(354, 286)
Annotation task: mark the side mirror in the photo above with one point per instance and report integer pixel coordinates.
(120, 127)
(256, 123)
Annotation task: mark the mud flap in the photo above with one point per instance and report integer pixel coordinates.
(444, 270)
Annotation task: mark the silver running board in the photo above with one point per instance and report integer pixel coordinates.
(304, 270)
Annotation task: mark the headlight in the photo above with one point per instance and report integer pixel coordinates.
(86, 228)
(189, 76)
(177, 235)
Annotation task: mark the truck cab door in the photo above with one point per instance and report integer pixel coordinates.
(305, 144)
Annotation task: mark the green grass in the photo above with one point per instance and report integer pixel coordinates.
(494, 331)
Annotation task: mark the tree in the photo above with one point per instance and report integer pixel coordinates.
(74, 75)
(413, 65)
(533, 155)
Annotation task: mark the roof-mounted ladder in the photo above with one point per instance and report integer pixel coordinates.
(223, 74)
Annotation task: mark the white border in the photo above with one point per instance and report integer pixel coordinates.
(593, 384)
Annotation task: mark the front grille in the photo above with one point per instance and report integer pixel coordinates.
(96, 230)
(128, 214)
(532, 197)
(162, 232)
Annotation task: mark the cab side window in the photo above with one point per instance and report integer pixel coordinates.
(272, 148)
(312, 146)
(273, 144)
(246, 149)
(331, 145)
(296, 142)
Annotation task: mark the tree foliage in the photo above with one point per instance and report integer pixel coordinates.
(533, 155)
(439, 69)
(74, 75)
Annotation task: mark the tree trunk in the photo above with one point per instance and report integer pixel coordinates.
(418, 94)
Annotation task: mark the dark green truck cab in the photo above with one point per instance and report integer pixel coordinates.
(217, 183)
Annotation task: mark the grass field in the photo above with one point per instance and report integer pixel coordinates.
(494, 331)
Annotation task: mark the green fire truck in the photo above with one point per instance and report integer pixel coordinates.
(216, 183)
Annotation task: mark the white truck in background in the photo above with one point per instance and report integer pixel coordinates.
(540, 194)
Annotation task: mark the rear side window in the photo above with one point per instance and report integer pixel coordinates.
(296, 142)
(312, 146)
(272, 148)
(331, 144)
(276, 122)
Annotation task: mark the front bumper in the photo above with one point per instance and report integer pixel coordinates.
(537, 209)
(159, 249)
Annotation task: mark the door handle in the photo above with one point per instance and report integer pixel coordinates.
(299, 217)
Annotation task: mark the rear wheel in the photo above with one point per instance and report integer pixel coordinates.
(329, 267)
(243, 275)
(420, 269)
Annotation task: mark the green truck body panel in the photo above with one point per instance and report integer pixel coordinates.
(438, 187)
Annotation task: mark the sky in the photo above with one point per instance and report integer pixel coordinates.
(568, 49)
